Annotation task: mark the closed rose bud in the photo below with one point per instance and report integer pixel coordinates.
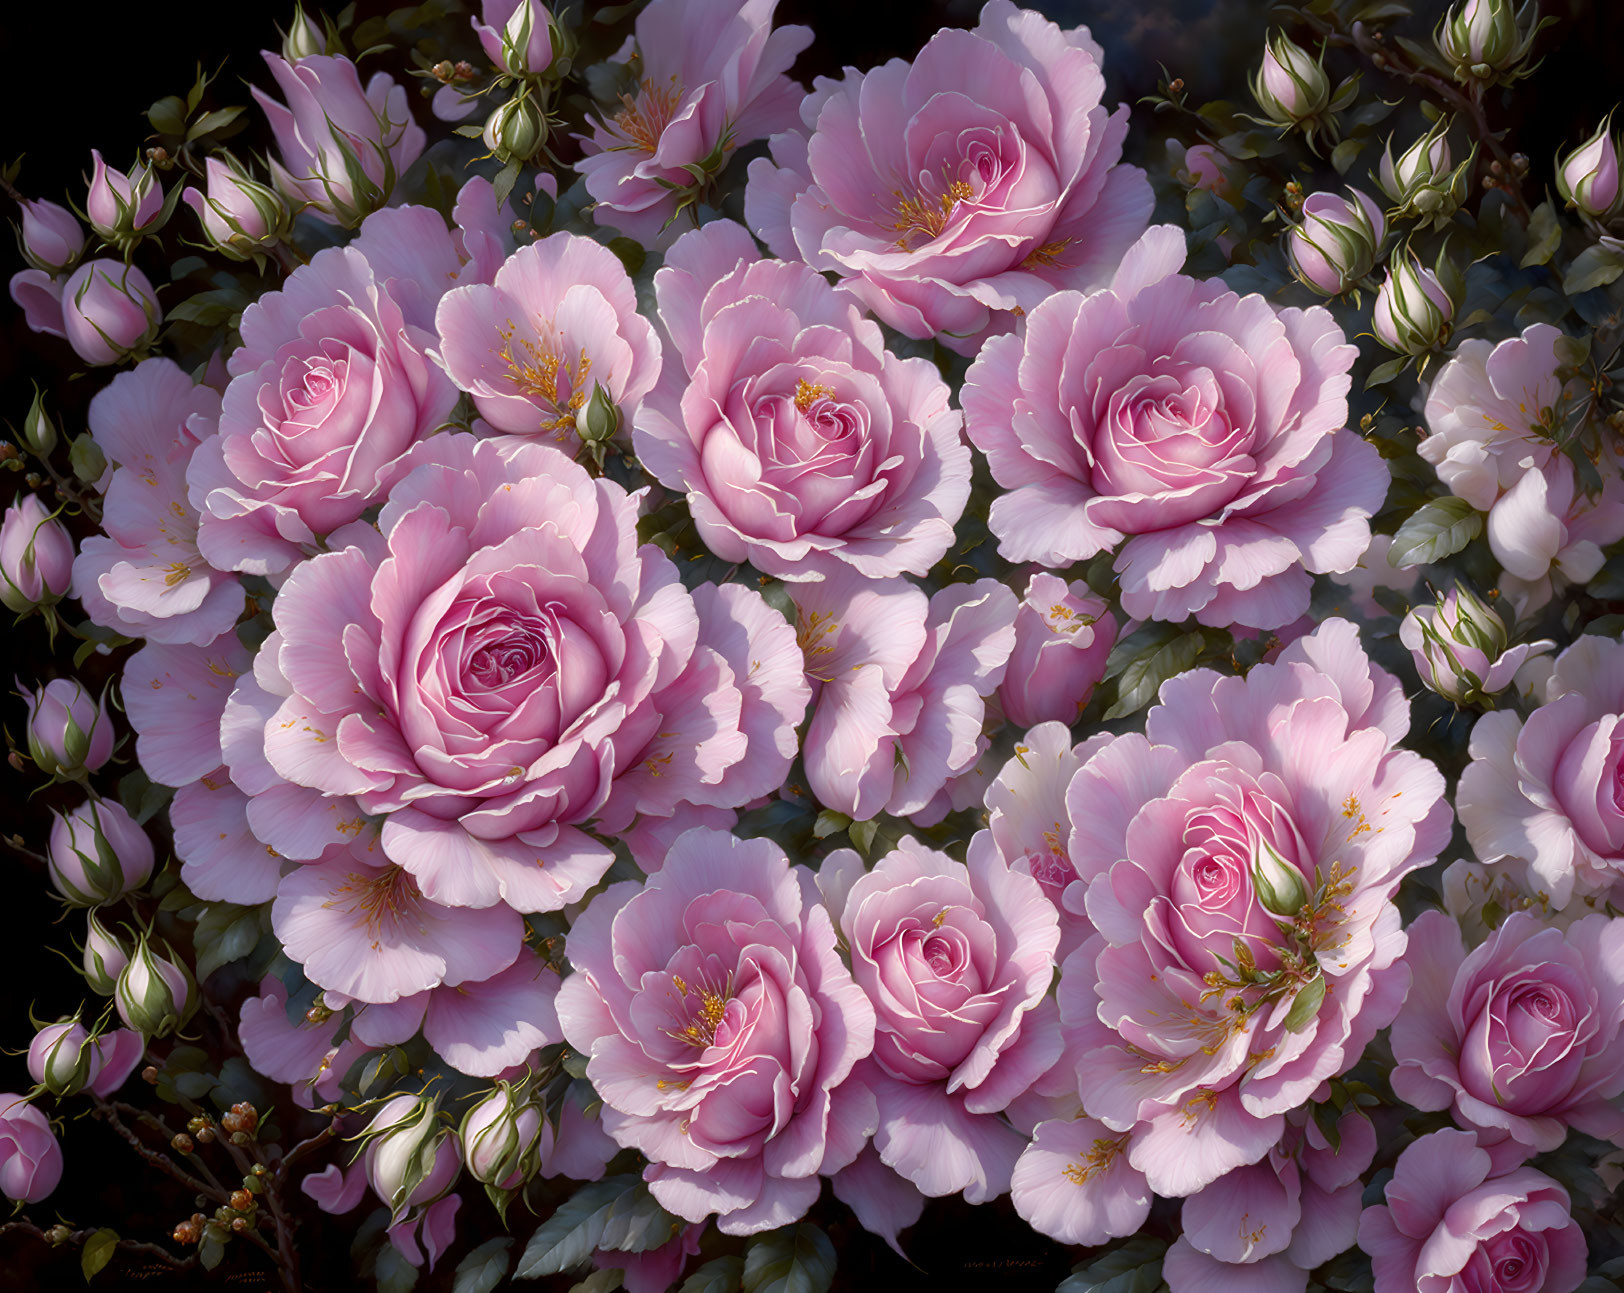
(30, 1157)
(516, 35)
(63, 1059)
(516, 130)
(122, 208)
(1291, 87)
(599, 419)
(1460, 648)
(1063, 636)
(39, 432)
(1337, 242)
(109, 312)
(1413, 308)
(303, 38)
(36, 557)
(412, 1158)
(156, 994)
(104, 957)
(1489, 40)
(1588, 177)
(52, 237)
(97, 853)
(240, 216)
(1280, 886)
(68, 728)
(501, 1138)
(1202, 167)
(1421, 180)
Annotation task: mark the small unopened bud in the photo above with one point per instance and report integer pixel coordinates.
(1278, 884)
(1488, 40)
(104, 957)
(185, 1233)
(524, 45)
(52, 238)
(599, 419)
(207, 1136)
(1337, 242)
(412, 1157)
(39, 432)
(1291, 87)
(239, 1225)
(156, 993)
(58, 1235)
(149, 1075)
(1422, 181)
(303, 38)
(516, 130)
(1460, 648)
(69, 732)
(242, 1200)
(36, 557)
(181, 1143)
(1588, 177)
(240, 216)
(63, 1058)
(97, 853)
(1413, 308)
(123, 208)
(502, 1138)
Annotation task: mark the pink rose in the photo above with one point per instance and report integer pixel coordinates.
(36, 556)
(1449, 1225)
(957, 960)
(1205, 428)
(1523, 1037)
(30, 1158)
(953, 193)
(1240, 860)
(109, 312)
(1550, 791)
(1063, 636)
(330, 387)
(719, 1027)
(497, 665)
(711, 79)
(803, 445)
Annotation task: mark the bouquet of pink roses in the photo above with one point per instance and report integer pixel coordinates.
(626, 638)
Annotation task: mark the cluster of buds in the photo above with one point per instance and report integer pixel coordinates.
(1295, 92)
(1338, 242)
(412, 1157)
(125, 208)
(1461, 648)
(97, 854)
(1423, 182)
(156, 994)
(241, 217)
(36, 557)
(242, 1119)
(1588, 177)
(1415, 305)
(1488, 41)
(69, 732)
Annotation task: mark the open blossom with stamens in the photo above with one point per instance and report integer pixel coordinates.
(559, 322)
(1240, 859)
(954, 193)
(720, 1026)
(711, 79)
(146, 577)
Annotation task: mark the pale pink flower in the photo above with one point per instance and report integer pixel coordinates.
(803, 445)
(710, 80)
(1204, 428)
(953, 193)
(720, 1028)
(301, 1054)
(1063, 636)
(30, 1157)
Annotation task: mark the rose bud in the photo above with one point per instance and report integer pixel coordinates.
(109, 312)
(240, 216)
(52, 238)
(303, 38)
(1291, 87)
(1063, 635)
(412, 1158)
(1460, 648)
(516, 130)
(1337, 242)
(104, 957)
(30, 1158)
(517, 35)
(39, 432)
(36, 557)
(1588, 177)
(63, 1058)
(1413, 307)
(68, 729)
(1421, 182)
(156, 994)
(97, 853)
(123, 208)
(1487, 39)
(501, 1138)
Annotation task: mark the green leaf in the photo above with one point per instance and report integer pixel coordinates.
(484, 1268)
(1544, 235)
(1346, 154)
(141, 796)
(1136, 1267)
(600, 1281)
(829, 823)
(720, 1275)
(503, 184)
(568, 1237)
(1144, 675)
(798, 1260)
(393, 1272)
(1381, 374)
(209, 1252)
(225, 933)
(631, 253)
(862, 834)
(86, 458)
(1306, 1004)
(1595, 266)
(168, 115)
(98, 1251)
(212, 121)
(1434, 531)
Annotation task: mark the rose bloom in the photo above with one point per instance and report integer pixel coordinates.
(559, 322)
(955, 192)
(1205, 428)
(1550, 791)
(498, 664)
(1063, 637)
(147, 576)
(957, 960)
(330, 387)
(1523, 1037)
(803, 445)
(1195, 1020)
(1449, 1225)
(30, 1157)
(720, 1026)
(711, 79)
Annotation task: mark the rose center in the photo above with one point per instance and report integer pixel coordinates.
(500, 662)
(944, 957)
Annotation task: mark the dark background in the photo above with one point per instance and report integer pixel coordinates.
(79, 77)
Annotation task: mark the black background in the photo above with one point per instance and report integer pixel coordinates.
(77, 77)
